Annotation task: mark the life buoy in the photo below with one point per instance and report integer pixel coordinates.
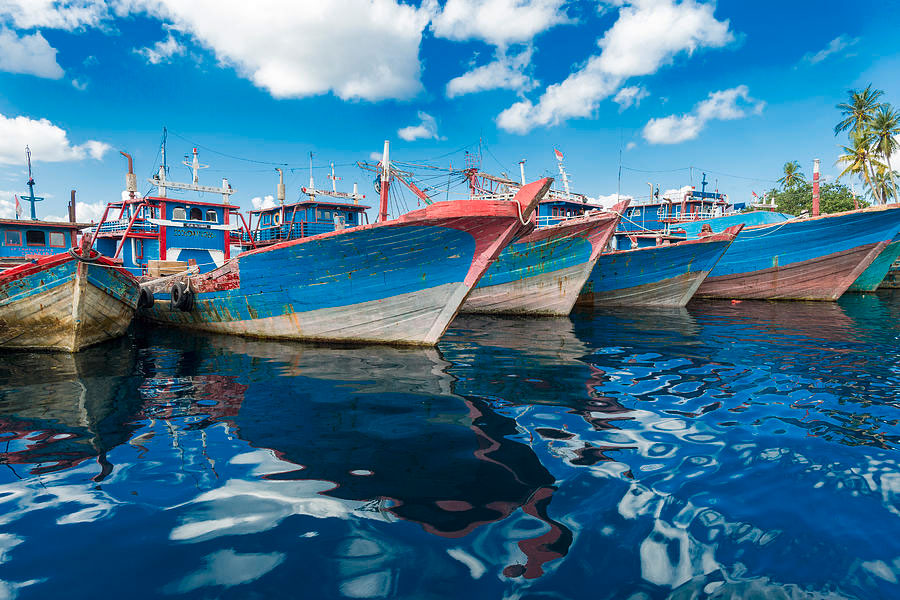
(182, 297)
(145, 300)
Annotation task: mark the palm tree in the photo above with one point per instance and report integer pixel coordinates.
(882, 182)
(857, 160)
(885, 126)
(860, 109)
(793, 176)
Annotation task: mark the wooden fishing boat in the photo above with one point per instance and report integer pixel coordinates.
(542, 272)
(664, 275)
(65, 302)
(400, 281)
(876, 273)
(803, 259)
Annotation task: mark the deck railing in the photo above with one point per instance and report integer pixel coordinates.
(286, 231)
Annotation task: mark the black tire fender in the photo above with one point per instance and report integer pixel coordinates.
(182, 296)
(145, 300)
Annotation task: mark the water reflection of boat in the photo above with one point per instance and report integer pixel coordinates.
(381, 427)
(79, 407)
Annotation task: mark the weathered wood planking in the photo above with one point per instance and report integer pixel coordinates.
(400, 281)
(656, 275)
(803, 259)
(64, 303)
(543, 272)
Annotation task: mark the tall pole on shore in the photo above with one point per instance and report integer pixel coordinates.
(815, 206)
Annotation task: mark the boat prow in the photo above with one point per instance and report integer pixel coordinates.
(803, 259)
(399, 281)
(662, 276)
(65, 302)
(543, 271)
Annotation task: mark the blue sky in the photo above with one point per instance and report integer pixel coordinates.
(733, 88)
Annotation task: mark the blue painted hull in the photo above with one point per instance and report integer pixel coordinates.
(806, 259)
(720, 224)
(542, 273)
(398, 282)
(652, 276)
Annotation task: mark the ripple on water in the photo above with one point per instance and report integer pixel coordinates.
(718, 451)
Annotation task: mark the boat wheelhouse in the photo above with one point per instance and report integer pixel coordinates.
(688, 204)
(158, 235)
(27, 240)
(321, 211)
(24, 240)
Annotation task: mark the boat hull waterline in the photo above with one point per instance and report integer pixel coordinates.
(399, 282)
(543, 272)
(65, 303)
(662, 276)
(808, 259)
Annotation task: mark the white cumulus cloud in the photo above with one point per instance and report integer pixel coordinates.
(29, 55)
(356, 49)
(647, 35)
(506, 71)
(161, 51)
(630, 96)
(610, 200)
(497, 22)
(734, 103)
(261, 203)
(425, 130)
(48, 142)
(835, 46)
(84, 213)
(54, 14)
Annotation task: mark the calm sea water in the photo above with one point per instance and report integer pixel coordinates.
(722, 451)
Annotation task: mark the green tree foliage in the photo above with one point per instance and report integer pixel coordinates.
(833, 197)
(793, 175)
(872, 127)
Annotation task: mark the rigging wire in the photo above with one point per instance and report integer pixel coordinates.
(250, 160)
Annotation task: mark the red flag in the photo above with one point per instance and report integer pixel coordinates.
(754, 194)
(18, 207)
(559, 155)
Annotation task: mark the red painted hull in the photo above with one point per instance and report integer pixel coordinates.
(823, 278)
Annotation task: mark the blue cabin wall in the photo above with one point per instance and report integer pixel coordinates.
(195, 240)
(55, 240)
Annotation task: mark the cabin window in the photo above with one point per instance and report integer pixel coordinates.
(266, 219)
(196, 214)
(33, 237)
(325, 215)
(211, 216)
(57, 239)
(13, 238)
(179, 214)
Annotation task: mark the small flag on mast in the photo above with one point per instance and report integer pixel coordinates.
(559, 155)
(18, 207)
